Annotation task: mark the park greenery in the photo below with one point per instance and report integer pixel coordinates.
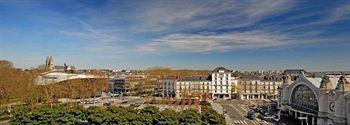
(17, 88)
(19, 91)
(150, 115)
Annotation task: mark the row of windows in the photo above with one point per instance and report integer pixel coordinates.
(257, 91)
(220, 78)
(259, 86)
(221, 83)
(188, 87)
(221, 91)
(193, 83)
(216, 75)
(261, 83)
(221, 87)
(194, 91)
(203, 91)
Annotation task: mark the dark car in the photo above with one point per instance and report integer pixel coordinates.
(251, 115)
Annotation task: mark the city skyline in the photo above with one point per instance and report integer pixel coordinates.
(251, 35)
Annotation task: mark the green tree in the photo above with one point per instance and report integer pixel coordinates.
(189, 117)
(167, 117)
(72, 114)
(211, 117)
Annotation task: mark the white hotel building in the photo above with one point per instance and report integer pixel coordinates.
(217, 85)
(221, 81)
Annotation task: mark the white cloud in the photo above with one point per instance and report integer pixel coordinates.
(90, 32)
(214, 42)
(174, 19)
(338, 13)
(166, 16)
(211, 43)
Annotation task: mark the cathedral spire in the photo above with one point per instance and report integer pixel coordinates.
(49, 63)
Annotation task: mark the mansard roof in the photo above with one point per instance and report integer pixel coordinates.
(196, 78)
(216, 70)
(333, 79)
(294, 71)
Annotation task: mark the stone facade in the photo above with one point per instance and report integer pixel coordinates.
(192, 88)
(256, 89)
(321, 101)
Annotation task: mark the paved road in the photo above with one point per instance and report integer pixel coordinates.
(237, 110)
(216, 106)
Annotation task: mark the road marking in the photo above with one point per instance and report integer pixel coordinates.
(242, 108)
(253, 122)
(240, 122)
(236, 109)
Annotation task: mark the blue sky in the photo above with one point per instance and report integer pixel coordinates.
(241, 35)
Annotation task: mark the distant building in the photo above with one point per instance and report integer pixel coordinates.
(193, 87)
(131, 85)
(157, 87)
(221, 81)
(234, 84)
(168, 89)
(118, 86)
(216, 85)
(255, 88)
(294, 73)
(49, 66)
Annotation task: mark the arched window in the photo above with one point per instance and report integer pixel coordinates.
(304, 99)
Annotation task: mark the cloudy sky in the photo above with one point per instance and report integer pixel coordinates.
(241, 35)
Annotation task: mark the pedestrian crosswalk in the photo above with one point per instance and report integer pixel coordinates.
(240, 122)
(252, 122)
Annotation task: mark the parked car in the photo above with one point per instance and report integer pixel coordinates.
(251, 115)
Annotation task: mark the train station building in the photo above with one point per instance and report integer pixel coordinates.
(316, 101)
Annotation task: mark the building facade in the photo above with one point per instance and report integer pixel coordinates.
(321, 101)
(168, 89)
(221, 83)
(255, 88)
(117, 85)
(193, 88)
(217, 85)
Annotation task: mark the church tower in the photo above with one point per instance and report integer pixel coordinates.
(49, 64)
